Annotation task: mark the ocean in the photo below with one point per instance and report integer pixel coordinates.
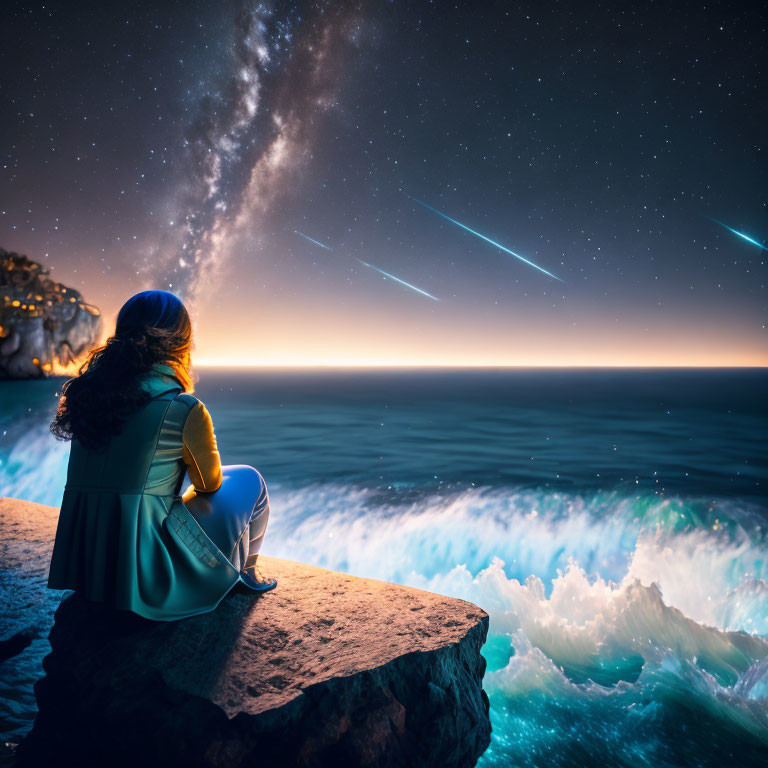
(613, 523)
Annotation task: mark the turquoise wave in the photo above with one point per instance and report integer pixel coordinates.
(623, 630)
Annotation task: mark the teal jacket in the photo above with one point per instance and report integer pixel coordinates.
(124, 536)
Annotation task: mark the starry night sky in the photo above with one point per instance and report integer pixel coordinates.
(183, 145)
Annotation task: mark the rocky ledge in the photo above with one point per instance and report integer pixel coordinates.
(327, 670)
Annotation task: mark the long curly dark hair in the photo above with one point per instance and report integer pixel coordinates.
(152, 327)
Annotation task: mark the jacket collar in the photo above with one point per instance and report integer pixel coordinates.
(160, 379)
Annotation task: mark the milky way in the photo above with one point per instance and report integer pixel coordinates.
(252, 134)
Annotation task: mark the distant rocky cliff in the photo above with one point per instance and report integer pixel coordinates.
(44, 325)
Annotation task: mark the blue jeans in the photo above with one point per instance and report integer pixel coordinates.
(235, 516)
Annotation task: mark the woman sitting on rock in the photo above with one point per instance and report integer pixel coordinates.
(125, 536)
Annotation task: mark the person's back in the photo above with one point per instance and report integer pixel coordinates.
(125, 535)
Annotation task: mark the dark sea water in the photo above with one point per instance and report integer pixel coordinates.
(614, 524)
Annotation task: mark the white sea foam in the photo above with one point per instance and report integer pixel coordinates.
(606, 602)
(578, 554)
(35, 465)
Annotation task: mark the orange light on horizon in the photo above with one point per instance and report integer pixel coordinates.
(278, 336)
(354, 363)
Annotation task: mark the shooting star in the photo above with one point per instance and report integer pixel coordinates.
(741, 235)
(312, 240)
(398, 280)
(487, 239)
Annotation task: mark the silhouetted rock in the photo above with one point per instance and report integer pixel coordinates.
(43, 324)
(327, 670)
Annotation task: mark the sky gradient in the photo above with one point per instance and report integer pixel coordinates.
(185, 146)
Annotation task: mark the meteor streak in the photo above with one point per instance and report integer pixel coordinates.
(312, 240)
(398, 280)
(741, 235)
(487, 239)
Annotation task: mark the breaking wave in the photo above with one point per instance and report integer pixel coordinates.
(623, 630)
(33, 465)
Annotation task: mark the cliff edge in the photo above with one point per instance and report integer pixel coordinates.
(327, 670)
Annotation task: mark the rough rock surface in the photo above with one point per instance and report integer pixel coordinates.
(26, 540)
(327, 670)
(26, 612)
(44, 325)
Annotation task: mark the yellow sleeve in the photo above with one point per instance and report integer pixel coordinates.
(200, 452)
